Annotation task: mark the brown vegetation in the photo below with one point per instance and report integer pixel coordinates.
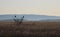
(30, 29)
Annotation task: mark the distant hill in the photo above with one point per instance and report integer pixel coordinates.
(30, 17)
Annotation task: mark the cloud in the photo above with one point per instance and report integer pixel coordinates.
(45, 7)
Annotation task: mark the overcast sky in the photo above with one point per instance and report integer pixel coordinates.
(41, 7)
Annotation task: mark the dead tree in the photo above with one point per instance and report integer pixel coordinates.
(18, 21)
(21, 20)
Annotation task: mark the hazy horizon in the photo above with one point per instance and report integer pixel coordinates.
(30, 17)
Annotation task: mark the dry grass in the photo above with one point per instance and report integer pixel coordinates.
(30, 29)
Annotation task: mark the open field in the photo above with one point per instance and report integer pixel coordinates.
(30, 29)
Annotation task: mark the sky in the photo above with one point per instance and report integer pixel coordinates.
(40, 7)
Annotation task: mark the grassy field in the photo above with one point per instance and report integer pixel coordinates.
(30, 29)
